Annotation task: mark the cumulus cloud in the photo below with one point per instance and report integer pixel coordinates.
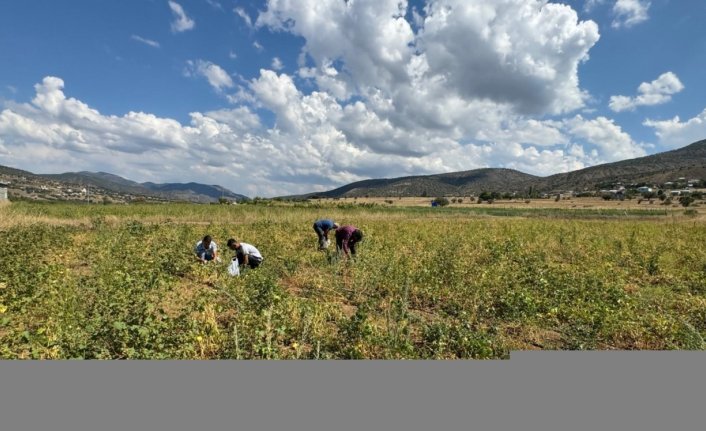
(610, 141)
(629, 13)
(626, 13)
(656, 92)
(181, 21)
(524, 54)
(674, 133)
(216, 76)
(317, 143)
(147, 42)
(470, 84)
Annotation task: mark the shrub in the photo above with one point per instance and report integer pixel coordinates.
(685, 201)
(441, 201)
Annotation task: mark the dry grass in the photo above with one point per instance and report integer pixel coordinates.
(573, 203)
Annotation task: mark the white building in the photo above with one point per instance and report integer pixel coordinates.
(3, 192)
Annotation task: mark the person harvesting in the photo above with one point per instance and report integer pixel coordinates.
(206, 250)
(347, 237)
(322, 228)
(245, 253)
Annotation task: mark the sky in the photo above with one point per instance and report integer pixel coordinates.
(279, 97)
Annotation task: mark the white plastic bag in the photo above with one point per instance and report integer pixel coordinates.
(234, 268)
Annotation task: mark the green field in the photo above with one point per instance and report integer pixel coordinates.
(114, 282)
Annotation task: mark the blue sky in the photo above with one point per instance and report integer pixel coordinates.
(282, 96)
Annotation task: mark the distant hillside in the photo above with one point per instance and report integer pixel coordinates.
(100, 179)
(12, 172)
(70, 186)
(688, 162)
(192, 191)
(458, 183)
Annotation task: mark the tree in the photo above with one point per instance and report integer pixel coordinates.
(441, 201)
(685, 201)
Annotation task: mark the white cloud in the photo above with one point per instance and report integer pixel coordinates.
(277, 64)
(232, 55)
(674, 133)
(525, 53)
(181, 21)
(214, 4)
(147, 42)
(317, 143)
(652, 93)
(244, 15)
(630, 12)
(610, 141)
(216, 76)
(258, 46)
(589, 5)
(470, 85)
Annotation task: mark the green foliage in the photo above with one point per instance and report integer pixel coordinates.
(685, 201)
(441, 201)
(119, 281)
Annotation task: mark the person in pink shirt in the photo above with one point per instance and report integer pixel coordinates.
(346, 239)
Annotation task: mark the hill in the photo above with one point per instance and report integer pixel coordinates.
(102, 185)
(455, 183)
(688, 162)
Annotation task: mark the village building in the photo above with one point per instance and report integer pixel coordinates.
(3, 192)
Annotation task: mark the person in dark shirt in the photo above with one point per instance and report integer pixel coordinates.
(322, 228)
(347, 237)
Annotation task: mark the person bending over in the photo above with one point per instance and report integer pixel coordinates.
(322, 228)
(245, 253)
(347, 237)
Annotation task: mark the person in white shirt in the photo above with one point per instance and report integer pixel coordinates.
(206, 250)
(245, 253)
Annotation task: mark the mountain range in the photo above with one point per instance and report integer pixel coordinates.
(688, 162)
(118, 188)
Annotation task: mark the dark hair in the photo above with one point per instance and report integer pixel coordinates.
(357, 235)
(207, 238)
(231, 242)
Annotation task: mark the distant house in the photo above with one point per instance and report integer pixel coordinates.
(614, 193)
(3, 192)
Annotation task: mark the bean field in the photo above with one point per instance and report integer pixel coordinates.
(120, 282)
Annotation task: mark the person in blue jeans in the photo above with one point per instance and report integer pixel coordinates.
(322, 228)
